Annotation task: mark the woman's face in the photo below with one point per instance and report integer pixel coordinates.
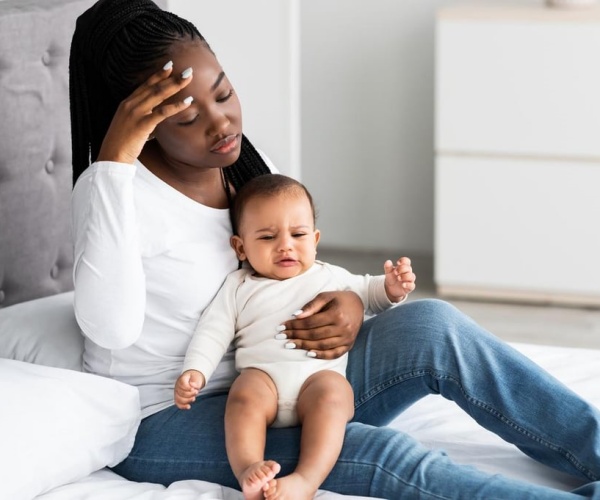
(208, 133)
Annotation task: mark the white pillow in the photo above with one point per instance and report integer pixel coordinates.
(58, 425)
(42, 331)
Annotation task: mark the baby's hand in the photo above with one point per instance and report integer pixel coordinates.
(187, 387)
(399, 279)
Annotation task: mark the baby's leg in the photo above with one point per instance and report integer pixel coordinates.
(325, 405)
(251, 408)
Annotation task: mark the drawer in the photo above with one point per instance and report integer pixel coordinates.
(518, 228)
(518, 87)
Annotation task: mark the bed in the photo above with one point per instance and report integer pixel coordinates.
(61, 429)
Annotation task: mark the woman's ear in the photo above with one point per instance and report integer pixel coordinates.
(238, 245)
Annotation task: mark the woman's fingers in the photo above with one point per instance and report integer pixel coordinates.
(320, 340)
(139, 114)
(327, 325)
(153, 93)
(322, 349)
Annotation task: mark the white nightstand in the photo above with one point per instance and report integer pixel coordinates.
(517, 204)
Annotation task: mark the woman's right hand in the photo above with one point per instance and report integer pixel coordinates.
(139, 114)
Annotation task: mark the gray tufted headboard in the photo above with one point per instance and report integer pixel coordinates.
(35, 147)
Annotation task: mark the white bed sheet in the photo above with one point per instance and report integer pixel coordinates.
(434, 421)
(106, 485)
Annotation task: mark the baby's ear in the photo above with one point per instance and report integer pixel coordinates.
(238, 245)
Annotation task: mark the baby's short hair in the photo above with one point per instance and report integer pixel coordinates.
(265, 186)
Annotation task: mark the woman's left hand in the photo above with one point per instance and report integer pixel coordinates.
(327, 326)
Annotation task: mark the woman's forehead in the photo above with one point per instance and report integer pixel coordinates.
(207, 72)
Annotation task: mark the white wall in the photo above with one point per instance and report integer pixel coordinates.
(367, 120)
(257, 43)
(367, 150)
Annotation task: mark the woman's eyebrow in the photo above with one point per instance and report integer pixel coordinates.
(218, 81)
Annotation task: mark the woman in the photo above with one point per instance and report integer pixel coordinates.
(154, 111)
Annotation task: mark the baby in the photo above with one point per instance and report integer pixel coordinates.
(273, 220)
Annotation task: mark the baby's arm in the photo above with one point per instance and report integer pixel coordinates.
(187, 387)
(399, 279)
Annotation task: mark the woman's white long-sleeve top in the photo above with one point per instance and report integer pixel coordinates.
(148, 260)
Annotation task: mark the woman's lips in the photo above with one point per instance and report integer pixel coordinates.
(226, 145)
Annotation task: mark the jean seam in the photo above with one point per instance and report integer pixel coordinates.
(395, 476)
(567, 454)
(383, 387)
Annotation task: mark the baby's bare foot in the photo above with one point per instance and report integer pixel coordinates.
(292, 487)
(256, 477)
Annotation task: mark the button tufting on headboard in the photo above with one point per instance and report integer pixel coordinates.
(35, 244)
(46, 58)
(49, 166)
(54, 272)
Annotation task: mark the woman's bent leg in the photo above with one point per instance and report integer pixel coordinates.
(428, 346)
(384, 463)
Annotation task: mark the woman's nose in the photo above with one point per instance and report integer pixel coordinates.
(218, 122)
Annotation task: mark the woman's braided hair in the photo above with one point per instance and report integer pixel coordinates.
(118, 44)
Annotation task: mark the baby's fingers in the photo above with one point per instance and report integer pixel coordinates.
(399, 276)
(184, 397)
(388, 267)
(184, 403)
(404, 269)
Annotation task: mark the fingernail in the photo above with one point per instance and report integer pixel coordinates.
(290, 345)
(187, 73)
(280, 336)
(167, 66)
(280, 328)
(311, 354)
(298, 312)
(188, 100)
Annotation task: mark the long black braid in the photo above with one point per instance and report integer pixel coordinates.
(116, 46)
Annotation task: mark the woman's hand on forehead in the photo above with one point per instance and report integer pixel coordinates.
(139, 114)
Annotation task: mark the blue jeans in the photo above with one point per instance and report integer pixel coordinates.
(419, 348)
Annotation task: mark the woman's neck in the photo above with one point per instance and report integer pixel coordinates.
(203, 185)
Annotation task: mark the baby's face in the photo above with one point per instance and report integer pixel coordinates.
(277, 236)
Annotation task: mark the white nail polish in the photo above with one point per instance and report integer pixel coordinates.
(280, 328)
(298, 312)
(188, 100)
(290, 345)
(280, 336)
(167, 66)
(311, 354)
(187, 73)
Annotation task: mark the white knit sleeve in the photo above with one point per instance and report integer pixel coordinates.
(370, 289)
(108, 275)
(215, 330)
